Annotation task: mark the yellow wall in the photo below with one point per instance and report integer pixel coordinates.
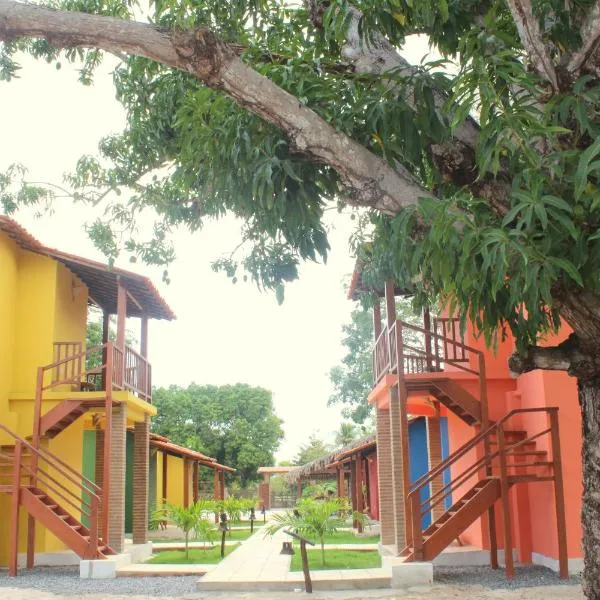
(8, 297)
(174, 480)
(34, 318)
(42, 302)
(70, 315)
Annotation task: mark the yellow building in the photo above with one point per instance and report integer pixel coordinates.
(174, 472)
(55, 395)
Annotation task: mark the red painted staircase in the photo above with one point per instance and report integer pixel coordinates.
(57, 419)
(52, 493)
(63, 525)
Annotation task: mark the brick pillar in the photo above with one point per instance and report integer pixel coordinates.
(399, 452)
(384, 471)
(141, 466)
(99, 476)
(116, 498)
(434, 449)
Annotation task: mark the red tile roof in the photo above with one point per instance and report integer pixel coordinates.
(101, 280)
(164, 444)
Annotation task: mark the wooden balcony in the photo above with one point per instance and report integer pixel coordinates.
(89, 371)
(423, 350)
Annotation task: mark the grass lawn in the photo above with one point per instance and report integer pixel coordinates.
(244, 523)
(197, 556)
(347, 537)
(338, 559)
(237, 535)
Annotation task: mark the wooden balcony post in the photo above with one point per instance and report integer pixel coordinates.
(186, 482)
(390, 302)
(216, 484)
(376, 318)
(341, 482)
(144, 382)
(105, 328)
(504, 486)
(559, 497)
(121, 314)
(416, 534)
(427, 327)
(222, 485)
(107, 441)
(14, 511)
(165, 472)
(94, 517)
(195, 482)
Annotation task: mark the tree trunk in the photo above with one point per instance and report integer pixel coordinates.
(589, 399)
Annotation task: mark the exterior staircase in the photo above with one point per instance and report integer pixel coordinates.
(53, 494)
(451, 395)
(63, 525)
(57, 419)
(482, 471)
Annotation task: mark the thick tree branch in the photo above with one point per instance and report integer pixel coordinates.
(455, 158)
(555, 358)
(378, 57)
(531, 38)
(368, 180)
(590, 36)
(567, 356)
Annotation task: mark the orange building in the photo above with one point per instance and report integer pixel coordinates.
(512, 480)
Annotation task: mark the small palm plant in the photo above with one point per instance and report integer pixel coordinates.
(313, 518)
(191, 519)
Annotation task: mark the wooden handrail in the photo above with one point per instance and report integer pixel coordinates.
(416, 510)
(452, 458)
(89, 508)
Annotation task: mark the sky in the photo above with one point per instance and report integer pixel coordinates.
(224, 333)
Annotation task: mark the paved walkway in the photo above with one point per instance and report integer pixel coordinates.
(259, 565)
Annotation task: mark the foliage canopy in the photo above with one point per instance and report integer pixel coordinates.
(236, 424)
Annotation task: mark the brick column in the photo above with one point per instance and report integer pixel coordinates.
(384, 471)
(434, 450)
(141, 467)
(99, 476)
(116, 498)
(399, 452)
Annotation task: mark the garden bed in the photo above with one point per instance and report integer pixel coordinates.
(200, 556)
(338, 559)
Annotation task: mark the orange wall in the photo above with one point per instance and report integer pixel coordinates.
(533, 506)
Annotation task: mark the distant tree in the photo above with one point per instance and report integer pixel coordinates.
(347, 433)
(285, 463)
(236, 424)
(315, 448)
(353, 379)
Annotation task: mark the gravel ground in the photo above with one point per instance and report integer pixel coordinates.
(494, 579)
(474, 583)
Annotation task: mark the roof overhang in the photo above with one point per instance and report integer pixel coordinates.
(101, 280)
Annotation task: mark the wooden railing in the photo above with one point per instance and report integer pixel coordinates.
(424, 350)
(505, 463)
(130, 370)
(47, 471)
(448, 328)
(137, 374)
(381, 356)
(67, 369)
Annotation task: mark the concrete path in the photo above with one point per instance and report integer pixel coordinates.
(258, 565)
(154, 570)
